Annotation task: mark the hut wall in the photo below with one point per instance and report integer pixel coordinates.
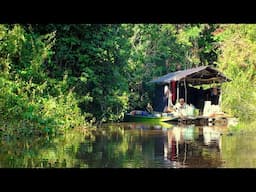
(160, 100)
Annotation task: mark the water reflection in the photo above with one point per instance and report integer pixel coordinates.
(148, 145)
(41, 152)
(192, 146)
(133, 145)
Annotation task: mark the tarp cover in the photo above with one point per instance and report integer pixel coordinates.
(195, 76)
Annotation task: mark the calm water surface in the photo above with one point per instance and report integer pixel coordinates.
(135, 145)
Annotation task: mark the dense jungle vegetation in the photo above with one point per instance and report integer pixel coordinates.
(59, 76)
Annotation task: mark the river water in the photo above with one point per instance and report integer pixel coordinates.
(134, 145)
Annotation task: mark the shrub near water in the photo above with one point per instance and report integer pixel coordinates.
(238, 62)
(30, 101)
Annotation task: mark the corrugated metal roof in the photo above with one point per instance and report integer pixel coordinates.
(195, 76)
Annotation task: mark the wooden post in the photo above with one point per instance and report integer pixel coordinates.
(185, 88)
(178, 91)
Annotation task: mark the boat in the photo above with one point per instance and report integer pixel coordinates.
(149, 117)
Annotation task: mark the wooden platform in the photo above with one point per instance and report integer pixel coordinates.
(202, 120)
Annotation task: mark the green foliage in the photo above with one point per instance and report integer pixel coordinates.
(104, 69)
(208, 47)
(158, 49)
(95, 58)
(237, 60)
(56, 77)
(30, 101)
(109, 66)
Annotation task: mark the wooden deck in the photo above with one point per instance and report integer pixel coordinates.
(204, 120)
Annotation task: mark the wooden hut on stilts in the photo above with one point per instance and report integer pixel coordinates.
(184, 84)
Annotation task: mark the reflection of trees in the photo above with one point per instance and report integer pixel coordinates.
(118, 145)
(151, 146)
(110, 149)
(41, 152)
(125, 147)
(239, 150)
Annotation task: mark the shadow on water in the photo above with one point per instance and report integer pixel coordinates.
(134, 145)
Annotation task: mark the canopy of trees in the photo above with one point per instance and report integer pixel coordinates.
(58, 76)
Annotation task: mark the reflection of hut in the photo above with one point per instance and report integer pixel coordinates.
(159, 142)
(174, 137)
(185, 149)
(188, 133)
(180, 85)
(212, 137)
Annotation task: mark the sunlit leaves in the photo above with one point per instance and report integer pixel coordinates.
(238, 62)
(188, 34)
(35, 103)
